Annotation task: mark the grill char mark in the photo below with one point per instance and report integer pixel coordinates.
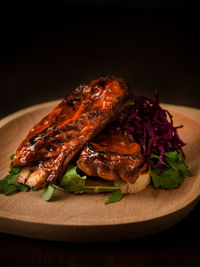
(112, 155)
(57, 138)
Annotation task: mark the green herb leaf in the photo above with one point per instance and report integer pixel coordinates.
(33, 189)
(74, 183)
(84, 189)
(177, 163)
(115, 197)
(14, 170)
(71, 179)
(12, 156)
(6, 188)
(172, 174)
(12, 179)
(9, 183)
(168, 179)
(80, 191)
(48, 192)
(156, 158)
(22, 187)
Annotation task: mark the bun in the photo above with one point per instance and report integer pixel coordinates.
(141, 183)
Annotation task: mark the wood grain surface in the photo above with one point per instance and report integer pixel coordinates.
(85, 218)
(46, 54)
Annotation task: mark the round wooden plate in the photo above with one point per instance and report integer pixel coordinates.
(71, 217)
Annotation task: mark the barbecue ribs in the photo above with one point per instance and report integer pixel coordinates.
(54, 142)
(112, 155)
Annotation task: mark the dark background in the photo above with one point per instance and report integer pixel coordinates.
(47, 49)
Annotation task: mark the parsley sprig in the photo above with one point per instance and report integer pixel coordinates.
(9, 183)
(172, 172)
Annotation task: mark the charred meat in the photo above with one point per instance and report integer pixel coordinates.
(52, 143)
(112, 155)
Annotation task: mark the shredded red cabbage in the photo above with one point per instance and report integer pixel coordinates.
(152, 127)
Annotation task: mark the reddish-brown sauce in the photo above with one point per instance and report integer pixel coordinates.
(112, 155)
(56, 139)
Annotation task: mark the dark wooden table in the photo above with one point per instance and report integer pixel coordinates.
(45, 55)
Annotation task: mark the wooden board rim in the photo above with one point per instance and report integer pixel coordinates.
(35, 107)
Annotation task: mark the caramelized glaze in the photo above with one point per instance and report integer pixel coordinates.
(112, 155)
(57, 138)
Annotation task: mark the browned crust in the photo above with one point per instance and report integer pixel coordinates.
(112, 155)
(56, 139)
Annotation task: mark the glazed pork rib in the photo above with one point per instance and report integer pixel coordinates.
(112, 155)
(56, 139)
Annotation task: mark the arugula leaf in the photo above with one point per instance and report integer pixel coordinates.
(83, 189)
(71, 179)
(96, 189)
(172, 173)
(74, 183)
(115, 197)
(48, 192)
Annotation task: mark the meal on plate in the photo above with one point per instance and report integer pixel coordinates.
(100, 138)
